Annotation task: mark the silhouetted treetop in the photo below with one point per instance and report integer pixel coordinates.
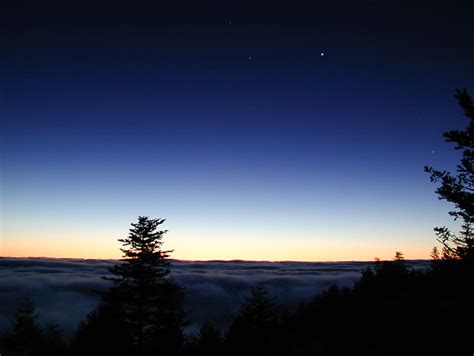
(459, 189)
(258, 308)
(254, 326)
(399, 256)
(142, 251)
(25, 320)
(26, 334)
(150, 301)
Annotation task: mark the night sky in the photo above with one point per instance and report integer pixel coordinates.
(276, 131)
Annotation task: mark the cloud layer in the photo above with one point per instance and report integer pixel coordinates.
(65, 290)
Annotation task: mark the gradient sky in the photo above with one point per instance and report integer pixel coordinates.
(226, 120)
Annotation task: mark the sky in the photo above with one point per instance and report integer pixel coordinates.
(269, 131)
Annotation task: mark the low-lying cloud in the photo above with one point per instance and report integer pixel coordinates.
(66, 290)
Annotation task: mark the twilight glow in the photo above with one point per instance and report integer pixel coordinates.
(275, 135)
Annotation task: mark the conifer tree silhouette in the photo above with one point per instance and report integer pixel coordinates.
(26, 336)
(459, 189)
(254, 326)
(151, 301)
(104, 331)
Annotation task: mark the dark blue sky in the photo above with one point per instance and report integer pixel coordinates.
(227, 120)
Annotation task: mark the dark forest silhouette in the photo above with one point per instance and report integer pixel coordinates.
(391, 310)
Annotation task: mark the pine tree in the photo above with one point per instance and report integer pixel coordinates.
(399, 257)
(26, 335)
(254, 326)
(435, 254)
(103, 332)
(259, 309)
(459, 189)
(151, 300)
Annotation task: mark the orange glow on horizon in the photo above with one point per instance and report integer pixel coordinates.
(221, 249)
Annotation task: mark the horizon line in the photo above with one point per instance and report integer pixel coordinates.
(212, 260)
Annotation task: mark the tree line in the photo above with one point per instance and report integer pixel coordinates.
(391, 310)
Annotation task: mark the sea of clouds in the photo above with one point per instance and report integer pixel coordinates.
(66, 290)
